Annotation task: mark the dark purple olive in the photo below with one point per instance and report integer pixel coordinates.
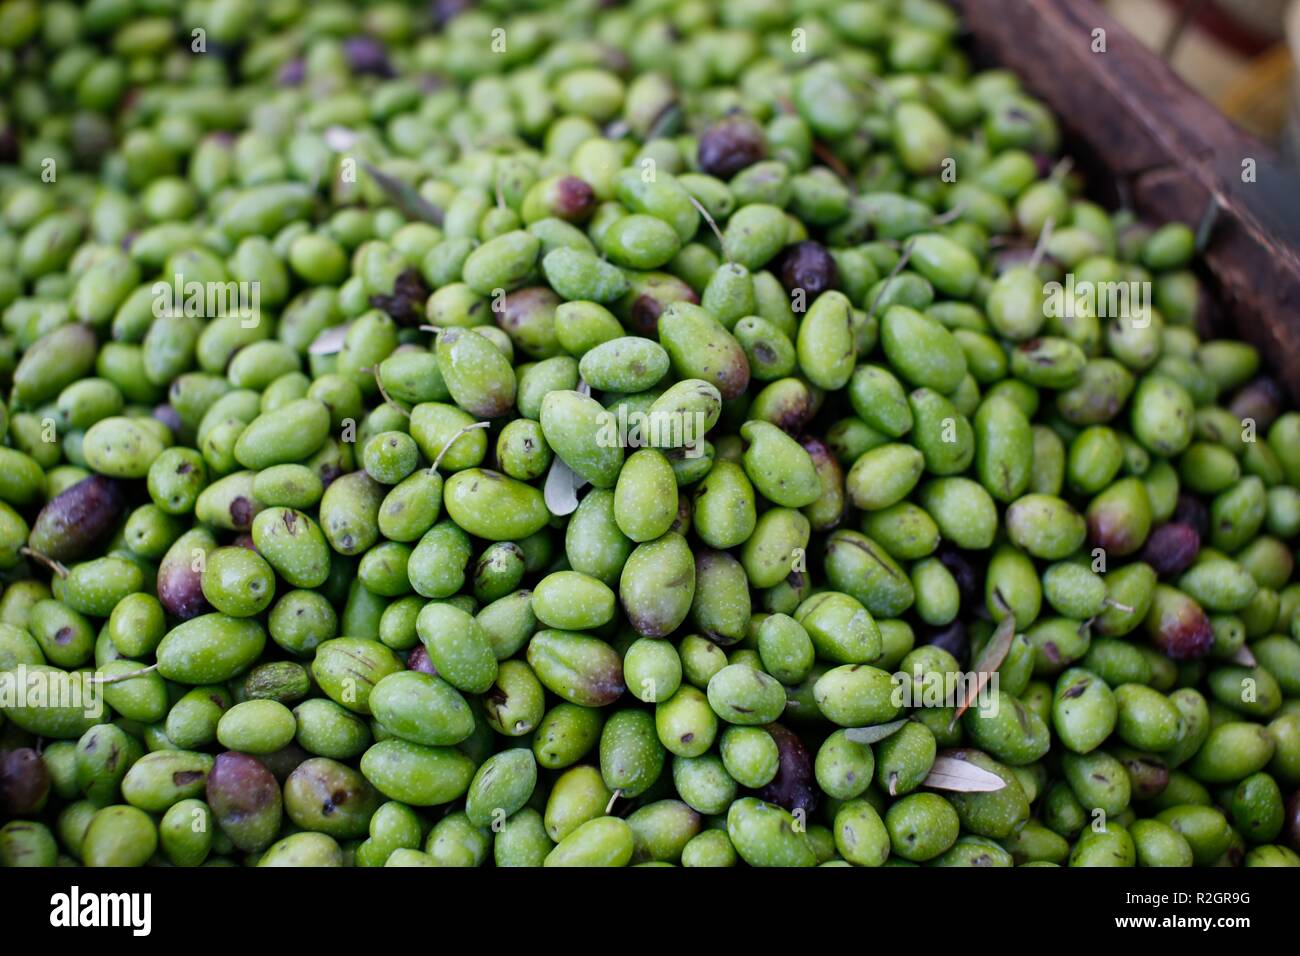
(329, 473)
(75, 520)
(1178, 626)
(406, 304)
(829, 467)
(1172, 548)
(964, 572)
(807, 265)
(24, 782)
(169, 417)
(574, 199)
(292, 73)
(731, 145)
(1148, 775)
(418, 660)
(654, 293)
(793, 787)
(367, 56)
(180, 587)
(8, 146)
(443, 12)
(1291, 822)
(245, 800)
(1260, 400)
(1190, 510)
(951, 638)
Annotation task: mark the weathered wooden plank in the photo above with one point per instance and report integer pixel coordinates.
(1174, 152)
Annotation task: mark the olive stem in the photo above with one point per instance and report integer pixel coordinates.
(451, 441)
(823, 152)
(50, 563)
(113, 679)
(609, 807)
(1040, 248)
(712, 225)
(893, 274)
(1061, 169)
(879, 88)
(952, 215)
(1110, 602)
(387, 398)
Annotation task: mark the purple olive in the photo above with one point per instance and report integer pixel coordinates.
(731, 145)
(807, 265)
(367, 56)
(245, 800)
(652, 294)
(75, 520)
(443, 12)
(964, 572)
(292, 73)
(1261, 400)
(1148, 775)
(1291, 822)
(406, 304)
(24, 782)
(418, 660)
(169, 417)
(179, 583)
(1172, 548)
(1191, 511)
(793, 787)
(574, 199)
(1178, 626)
(8, 146)
(951, 638)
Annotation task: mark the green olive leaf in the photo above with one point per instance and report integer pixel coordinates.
(405, 197)
(871, 735)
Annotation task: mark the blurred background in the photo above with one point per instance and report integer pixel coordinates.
(1240, 54)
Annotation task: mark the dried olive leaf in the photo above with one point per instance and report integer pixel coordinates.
(561, 492)
(949, 773)
(339, 138)
(330, 340)
(991, 658)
